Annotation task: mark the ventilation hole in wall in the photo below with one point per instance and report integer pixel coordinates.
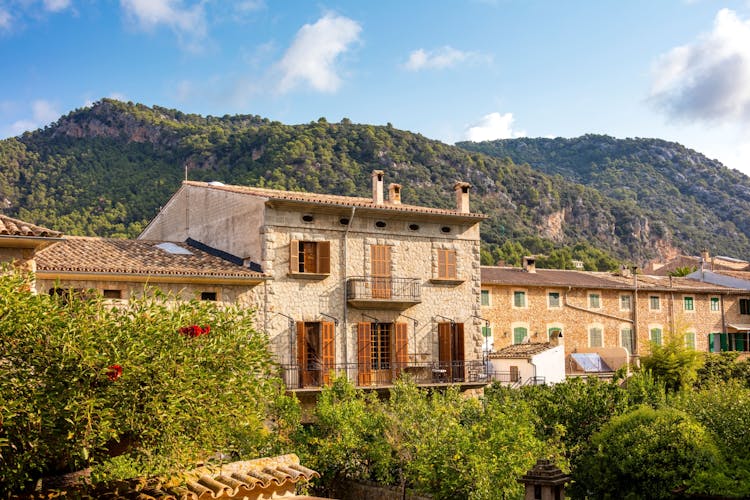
(344, 221)
(414, 227)
(308, 218)
(445, 229)
(380, 223)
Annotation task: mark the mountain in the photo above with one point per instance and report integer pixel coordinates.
(690, 200)
(106, 169)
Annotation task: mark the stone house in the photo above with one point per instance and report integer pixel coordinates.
(370, 287)
(532, 362)
(593, 310)
(20, 241)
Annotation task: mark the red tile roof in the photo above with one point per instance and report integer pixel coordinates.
(77, 254)
(516, 351)
(593, 280)
(15, 227)
(330, 199)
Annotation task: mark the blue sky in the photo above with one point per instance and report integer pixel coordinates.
(450, 70)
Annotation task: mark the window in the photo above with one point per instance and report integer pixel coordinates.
(519, 299)
(626, 339)
(553, 300)
(594, 301)
(744, 306)
(554, 332)
(208, 295)
(653, 303)
(485, 297)
(655, 335)
(596, 337)
(626, 303)
(112, 294)
(715, 304)
(519, 334)
(446, 264)
(688, 304)
(690, 340)
(311, 257)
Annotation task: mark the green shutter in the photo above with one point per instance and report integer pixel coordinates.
(711, 342)
(724, 339)
(519, 333)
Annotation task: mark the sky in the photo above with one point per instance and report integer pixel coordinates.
(450, 70)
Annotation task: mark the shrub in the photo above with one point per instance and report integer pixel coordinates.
(646, 453)
(83, 380)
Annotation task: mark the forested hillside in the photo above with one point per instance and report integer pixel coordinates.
(105, 170)
(701, 203)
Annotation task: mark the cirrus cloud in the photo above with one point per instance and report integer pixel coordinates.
(313, 54)
(708, 79)
(187, 23)
(493, 126)
(444, 57)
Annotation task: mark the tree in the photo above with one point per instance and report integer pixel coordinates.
(673, 363)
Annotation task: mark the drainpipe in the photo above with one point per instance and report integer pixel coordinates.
(723, 321)
(345, 323)
(636, 354)
(671, 307)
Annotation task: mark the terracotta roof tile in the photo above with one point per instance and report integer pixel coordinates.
(140, 257)
(330, 199)
(525, 350)
(592, 280)
(15, 227)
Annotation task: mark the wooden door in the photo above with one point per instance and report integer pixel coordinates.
(400, 348)
(380, 259)
(328, 350)
(451, 351)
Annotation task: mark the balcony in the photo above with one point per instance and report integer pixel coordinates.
(367, 292)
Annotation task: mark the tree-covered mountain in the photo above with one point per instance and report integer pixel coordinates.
(105, 170)
(696, 202)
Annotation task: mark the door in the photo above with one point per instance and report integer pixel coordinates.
(315, 352)
(381, 352)
(451, 351)
(380, 259)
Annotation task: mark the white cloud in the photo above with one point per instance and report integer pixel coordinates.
(6, 20)
(444, 57)
(708, 79)
(188, 23)
(43, 113)
(313, 55)
(493, 126)
(56, 5)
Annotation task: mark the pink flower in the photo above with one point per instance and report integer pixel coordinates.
(114, 372)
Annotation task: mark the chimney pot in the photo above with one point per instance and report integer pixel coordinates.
(462, 196)
(394, 193)
(529, 264)
(377, 187)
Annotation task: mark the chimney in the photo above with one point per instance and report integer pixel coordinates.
(377, 187)
(394, 193)
(462, 196)
(529, 264)
(705, 255)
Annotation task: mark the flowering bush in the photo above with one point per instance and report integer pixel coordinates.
(81, 381)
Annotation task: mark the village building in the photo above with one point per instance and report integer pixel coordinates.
(371, 287)
(596, 312)
(704, 261)
(20, 241)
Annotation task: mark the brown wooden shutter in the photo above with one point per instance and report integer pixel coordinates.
(294, 256)
(400, 348)
(457, 348)
(451, 271)
(444, 344)
(301, 353)
(364, 353)
(324, 257)
(328, 350)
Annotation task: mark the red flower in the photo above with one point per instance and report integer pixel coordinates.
(195, 330)
(114, 372)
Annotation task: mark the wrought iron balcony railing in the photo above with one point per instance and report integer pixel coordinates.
(366, 292)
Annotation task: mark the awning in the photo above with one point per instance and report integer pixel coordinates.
(740, 327)
(590, 362)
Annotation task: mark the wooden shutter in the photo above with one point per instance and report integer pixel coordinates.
(328, 348)
(364, 353)
(380, 265)
(444, 344)
(457, 352)
(301, 353)
(324, 257)
(400, 348)
(294, 256)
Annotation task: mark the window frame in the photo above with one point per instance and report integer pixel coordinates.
(651, 300)
(590, 330)
(447, 264)
(515, 329)
(714, 301)
(629, 301)
(690, 337)
(559, 301)
(631, 338)
(520, 293)
(744, 305)
(595, 297)
(485, 293)
(688, 299)
(660, 330)
(298, 258)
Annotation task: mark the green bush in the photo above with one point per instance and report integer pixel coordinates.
(646, 453)
(83, 380)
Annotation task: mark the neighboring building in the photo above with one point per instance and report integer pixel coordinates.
(121, 269)
(20, 241)
(367, 286)
(696, 262)
(529, 363)
(603, 310)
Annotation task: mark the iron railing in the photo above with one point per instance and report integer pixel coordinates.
(383, 288)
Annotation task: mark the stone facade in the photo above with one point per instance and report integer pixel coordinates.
(338, 265)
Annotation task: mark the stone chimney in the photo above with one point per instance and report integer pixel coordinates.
(529, 264)
(462, 196)
(555, 337)
(377, 187)
(394, 193)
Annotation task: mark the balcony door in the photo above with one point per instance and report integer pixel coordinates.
(451, 350)
(315, 352)
(382, 352)
(380, 260)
